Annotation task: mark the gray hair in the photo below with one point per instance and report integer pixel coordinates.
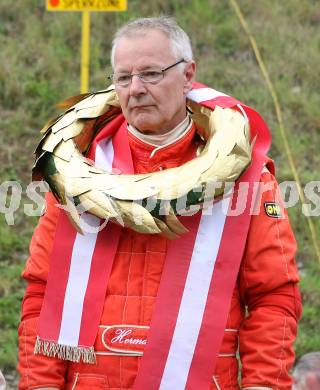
(310, 362)
(180, 42)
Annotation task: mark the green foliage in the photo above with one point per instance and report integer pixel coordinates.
(308, 336)
(39, 59)
(11, 293)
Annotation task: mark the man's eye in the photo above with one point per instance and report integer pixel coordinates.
(151, 75)
(124, 78)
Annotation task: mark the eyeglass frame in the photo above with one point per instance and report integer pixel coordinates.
(140, 74)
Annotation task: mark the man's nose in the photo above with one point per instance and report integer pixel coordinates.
(137, 86)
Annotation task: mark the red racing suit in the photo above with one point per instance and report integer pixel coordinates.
(262, 321)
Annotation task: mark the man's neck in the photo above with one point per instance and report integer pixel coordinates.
(163, 139)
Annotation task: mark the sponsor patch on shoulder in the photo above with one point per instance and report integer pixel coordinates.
(273, 209)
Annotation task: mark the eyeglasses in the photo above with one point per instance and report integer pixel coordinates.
(147, 76)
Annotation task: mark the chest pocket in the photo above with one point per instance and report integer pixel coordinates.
(87, 382)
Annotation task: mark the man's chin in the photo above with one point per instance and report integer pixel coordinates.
(146, 126)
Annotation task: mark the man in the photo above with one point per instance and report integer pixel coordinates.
(2, 382)
(306, 373)
(166, 306)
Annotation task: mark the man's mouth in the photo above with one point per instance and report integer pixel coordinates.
(140, 106)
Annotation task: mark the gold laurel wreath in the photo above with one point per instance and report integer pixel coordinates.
(126, 199)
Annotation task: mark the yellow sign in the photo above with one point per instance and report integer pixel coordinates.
(86, 5)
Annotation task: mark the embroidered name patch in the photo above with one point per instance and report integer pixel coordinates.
(125, 339)
(273, 209)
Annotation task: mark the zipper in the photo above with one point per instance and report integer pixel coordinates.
(75, 381)
(215, 381)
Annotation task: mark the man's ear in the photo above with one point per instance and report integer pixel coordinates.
(189, 73)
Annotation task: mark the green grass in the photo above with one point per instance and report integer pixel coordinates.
(39, 59)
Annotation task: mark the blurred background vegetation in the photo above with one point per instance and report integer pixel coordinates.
(39, 57)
